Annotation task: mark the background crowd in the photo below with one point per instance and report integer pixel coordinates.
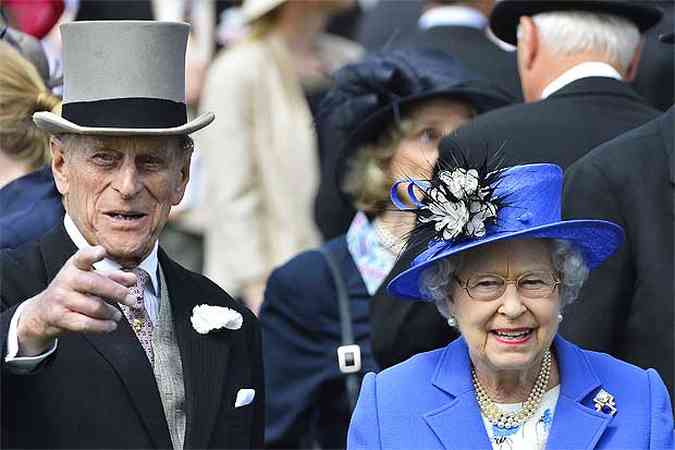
(320, 106)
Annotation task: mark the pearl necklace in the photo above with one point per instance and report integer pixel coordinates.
(388, 240)
(511, 420)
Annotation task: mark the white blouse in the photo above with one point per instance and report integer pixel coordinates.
(533, 434)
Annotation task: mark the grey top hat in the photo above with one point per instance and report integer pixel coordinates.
(123, 78)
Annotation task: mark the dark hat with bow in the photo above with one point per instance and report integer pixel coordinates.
(370, 95)
(507, 13)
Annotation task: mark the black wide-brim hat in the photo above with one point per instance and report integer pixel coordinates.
(371, 95)
(506, 15)
(123, 78)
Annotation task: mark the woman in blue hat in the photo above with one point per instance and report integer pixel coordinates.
(501, 265)
(392, 109)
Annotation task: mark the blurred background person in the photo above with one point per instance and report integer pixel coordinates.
(626, 307)
(460, 27)
(29, 201)
(261, 155)
(654, 80)
(576, 60)
(393, 109)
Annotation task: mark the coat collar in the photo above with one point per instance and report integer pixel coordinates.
(578, 382)
(595, 86)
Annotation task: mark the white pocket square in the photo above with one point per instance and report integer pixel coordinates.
(244, 397)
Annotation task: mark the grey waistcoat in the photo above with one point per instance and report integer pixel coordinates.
(168, 368)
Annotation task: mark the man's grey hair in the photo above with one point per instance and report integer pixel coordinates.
(435, 282)
(571, 32)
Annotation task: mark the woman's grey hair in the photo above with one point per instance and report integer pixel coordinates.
(567, 259)
(571, 32)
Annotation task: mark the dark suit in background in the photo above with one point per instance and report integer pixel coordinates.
(559, 129)
(387, 22)
(476, 51)
(626, 307)
(656, 71)
(565, 126)
(99, 391)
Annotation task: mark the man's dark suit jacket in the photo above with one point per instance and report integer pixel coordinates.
(626, 306)
(560, 129)
(98, 391)
(476, 52)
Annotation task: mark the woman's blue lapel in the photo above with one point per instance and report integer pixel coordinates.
(458, 424)
(575, 425)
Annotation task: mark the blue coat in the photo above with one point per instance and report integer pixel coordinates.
(29, 207)
(428, 402)
(306, 397)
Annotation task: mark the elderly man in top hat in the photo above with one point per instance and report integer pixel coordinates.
(575, 59)
(107, 342)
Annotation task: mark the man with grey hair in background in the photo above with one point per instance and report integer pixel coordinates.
(575, 59)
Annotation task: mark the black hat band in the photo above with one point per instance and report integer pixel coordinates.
(133, 112)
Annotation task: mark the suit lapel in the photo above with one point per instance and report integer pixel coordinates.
(205, 357)
(458, 424)
(120, 348)
(577, 384)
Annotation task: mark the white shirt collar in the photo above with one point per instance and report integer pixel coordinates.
(149, 264)
(583, 70)
(454, 15)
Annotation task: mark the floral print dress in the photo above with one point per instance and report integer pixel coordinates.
(533, 434)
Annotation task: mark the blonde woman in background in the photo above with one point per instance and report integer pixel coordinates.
(29, 201)
(261, 154)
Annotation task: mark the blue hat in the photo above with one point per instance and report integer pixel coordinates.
(468, 208)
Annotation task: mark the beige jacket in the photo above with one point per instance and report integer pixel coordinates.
(261, 163)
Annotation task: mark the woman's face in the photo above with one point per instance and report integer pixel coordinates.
(417, 152)
(509, 333)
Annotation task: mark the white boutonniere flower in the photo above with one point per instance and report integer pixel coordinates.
(206, 318)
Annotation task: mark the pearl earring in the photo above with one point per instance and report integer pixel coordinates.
(452, 321)
(560, 317)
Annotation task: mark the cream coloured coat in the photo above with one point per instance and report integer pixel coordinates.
(261, 163)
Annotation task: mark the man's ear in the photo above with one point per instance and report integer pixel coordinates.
(183, 178)
(632, 69)
(59, 165)
(528, 43)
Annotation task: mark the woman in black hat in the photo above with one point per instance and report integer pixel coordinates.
(392, 109)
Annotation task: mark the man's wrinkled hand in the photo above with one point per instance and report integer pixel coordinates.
(78, 300)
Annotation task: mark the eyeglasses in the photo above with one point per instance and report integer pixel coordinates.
(487, 287)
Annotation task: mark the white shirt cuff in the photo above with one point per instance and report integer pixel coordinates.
(22, 364)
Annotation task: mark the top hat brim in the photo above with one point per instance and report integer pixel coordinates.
(55, 124)
(506, 14)
(596, 239)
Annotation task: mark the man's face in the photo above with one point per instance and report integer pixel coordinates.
(119, 190)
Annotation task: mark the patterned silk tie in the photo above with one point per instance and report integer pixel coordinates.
(138, 316)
